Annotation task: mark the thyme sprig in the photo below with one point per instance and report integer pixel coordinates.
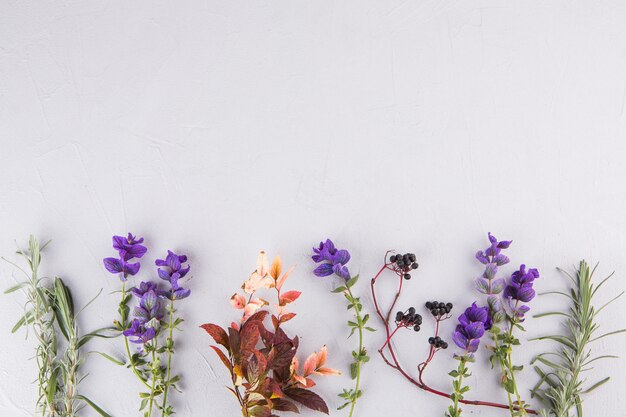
(561, 384)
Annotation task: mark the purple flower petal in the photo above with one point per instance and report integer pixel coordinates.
(342, 257)
(501, 259)
(341, 271)
(113, 265)
(323, 270)
(460, 339)
(475, 330)
(131, 269)
(473, 345)
(504, 244)
(481, 257)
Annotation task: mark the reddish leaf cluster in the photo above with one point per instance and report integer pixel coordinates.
(262, 358)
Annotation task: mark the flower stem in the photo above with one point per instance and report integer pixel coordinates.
(359, 362)
(126, 344)
(170, 351)
(153, 382)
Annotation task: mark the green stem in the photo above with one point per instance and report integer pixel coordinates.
(461, 371)
(124, 326)
(153, 382)
(512, 371)
(170, 345)
(357, 383)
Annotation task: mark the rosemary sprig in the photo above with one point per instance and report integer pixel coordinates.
(50, 311)
(39, 317)
(561, 385)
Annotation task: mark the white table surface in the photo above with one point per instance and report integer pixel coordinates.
(220, 128)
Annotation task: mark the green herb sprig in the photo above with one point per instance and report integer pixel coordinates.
(50, 311)
(359, 356)
(561, 383)
(462, 372)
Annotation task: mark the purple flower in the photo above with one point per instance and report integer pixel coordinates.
(520, 289)
(140, 331)
(119, 266)
(492, 258)
(144, 287)
(149, 306)
(172, 270)
(128, 248)
(331, 260)
(472, 326)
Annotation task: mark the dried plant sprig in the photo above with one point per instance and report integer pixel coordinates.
(388, 352)
(150, 329)
(50, 311)
(561, 384)
(333, 261)
(261, 360)
(39, 317)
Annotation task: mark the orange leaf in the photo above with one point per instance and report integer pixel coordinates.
(281, 280)
(321, 357)
(309, 364)
(276, 268)
(289, 297)
(327, 371)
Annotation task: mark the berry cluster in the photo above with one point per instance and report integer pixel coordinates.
(438, 309)
(438, 342)
(409, 318)
(404, 264)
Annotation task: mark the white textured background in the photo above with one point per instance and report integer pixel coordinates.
(219, 128)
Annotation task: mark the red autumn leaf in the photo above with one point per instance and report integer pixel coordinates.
(284, 405)
(217, 333)
(308, 399)
(256, 366)
(249, 338)
(234, 341)
(289, 297)
(286, 317)
(260, 411)
(223, 357)
(281, 355)
(258, 316)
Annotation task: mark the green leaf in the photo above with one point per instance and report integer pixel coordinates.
(112, 359)
(354, 370)
(93, 405)
(608, 334)
(352, 281)
(16, 287)
(597, 384)
(339, 289)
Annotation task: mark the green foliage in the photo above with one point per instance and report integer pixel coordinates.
(457, 384)
(49, 313)
(359, 356)
(561, 383)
